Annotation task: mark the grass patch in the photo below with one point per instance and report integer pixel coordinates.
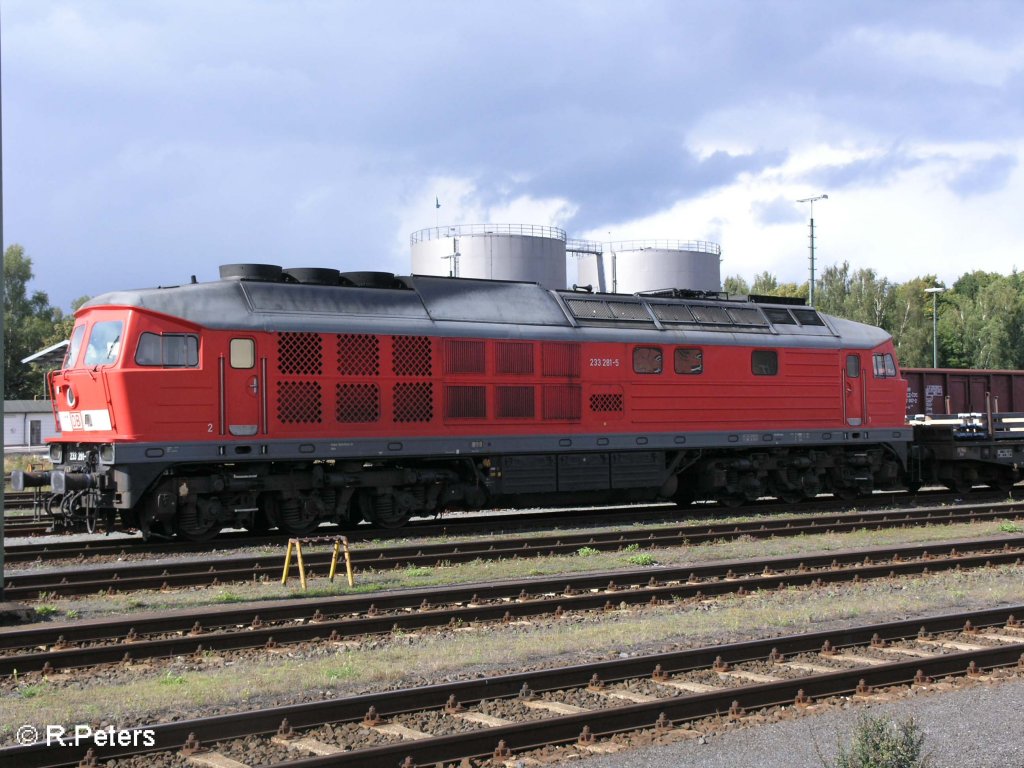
(641, 560)
(46, 609)
(170, 678)
(882, 743)
(1010, 528)
(587, 552)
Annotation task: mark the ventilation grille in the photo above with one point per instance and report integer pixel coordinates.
(513, 357)
(562, 402)
(411, 356)
(461, 356)
(561, 359)
(514, 402)
(299, 354)
(590, 309)
(672, 313)
(465, 402)
(299, 402)
(629, 310)
(712, 315)
(358, 403)
(358, 354)
(747, 316)
(606, 403)
(413, 401)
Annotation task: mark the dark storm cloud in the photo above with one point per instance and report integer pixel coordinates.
(161, 138)
(984, 176)
(870, 171)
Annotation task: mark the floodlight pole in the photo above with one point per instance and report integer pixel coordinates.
(811, 200)
(935, 323)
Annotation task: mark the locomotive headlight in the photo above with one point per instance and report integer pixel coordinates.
(70, 394)
(107, 454)
(57, 453)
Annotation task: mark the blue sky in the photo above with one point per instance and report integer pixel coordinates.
(148, 141)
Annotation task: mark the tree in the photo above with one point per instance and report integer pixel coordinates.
(29, 321)
(735, 285)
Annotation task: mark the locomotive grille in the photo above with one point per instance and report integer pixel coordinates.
(358, 354)
(514, 402)
(628, 310)
(462, 356)
(672, 313)
(513, 357)
(299, 354)
(411, 356)
(606, 403)
(561, 359)
(299, 402)
(358, 403)
(413, 401)
(588, 308)
(562, 401)
(465, 402)
(715, 315)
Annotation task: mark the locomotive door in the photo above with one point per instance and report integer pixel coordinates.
(853, 388)
(241, 390)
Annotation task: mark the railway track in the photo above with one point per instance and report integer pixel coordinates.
(269, 625)
(496, 717)
(31, 526)
(28, 584)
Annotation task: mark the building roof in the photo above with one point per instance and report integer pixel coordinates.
(28, 406)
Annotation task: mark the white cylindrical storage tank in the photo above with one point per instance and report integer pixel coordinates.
(632, 266)
(492, 252)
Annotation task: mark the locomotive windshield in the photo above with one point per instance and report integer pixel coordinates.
(76, 345)
(104, 343)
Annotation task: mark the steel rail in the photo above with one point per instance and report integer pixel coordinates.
(334, 619)
(675, 710)
(26, 585)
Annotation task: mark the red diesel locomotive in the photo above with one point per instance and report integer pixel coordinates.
(288, 398)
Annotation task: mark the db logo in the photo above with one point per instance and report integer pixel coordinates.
(76, 420)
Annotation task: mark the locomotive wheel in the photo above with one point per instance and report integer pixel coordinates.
(732, 500)
(298, 517)
(192, 526)
(790, 496)
(381, 511)
(845, 493)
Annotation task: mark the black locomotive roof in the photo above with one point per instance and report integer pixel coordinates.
(466, 307)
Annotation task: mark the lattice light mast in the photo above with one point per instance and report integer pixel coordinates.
(812, 200)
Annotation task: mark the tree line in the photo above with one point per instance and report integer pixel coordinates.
(31, 324)
(980, 316)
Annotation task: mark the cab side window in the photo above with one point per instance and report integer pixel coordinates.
(885, 366)
(168, 350)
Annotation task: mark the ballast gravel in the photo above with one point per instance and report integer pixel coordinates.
(973, 727)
